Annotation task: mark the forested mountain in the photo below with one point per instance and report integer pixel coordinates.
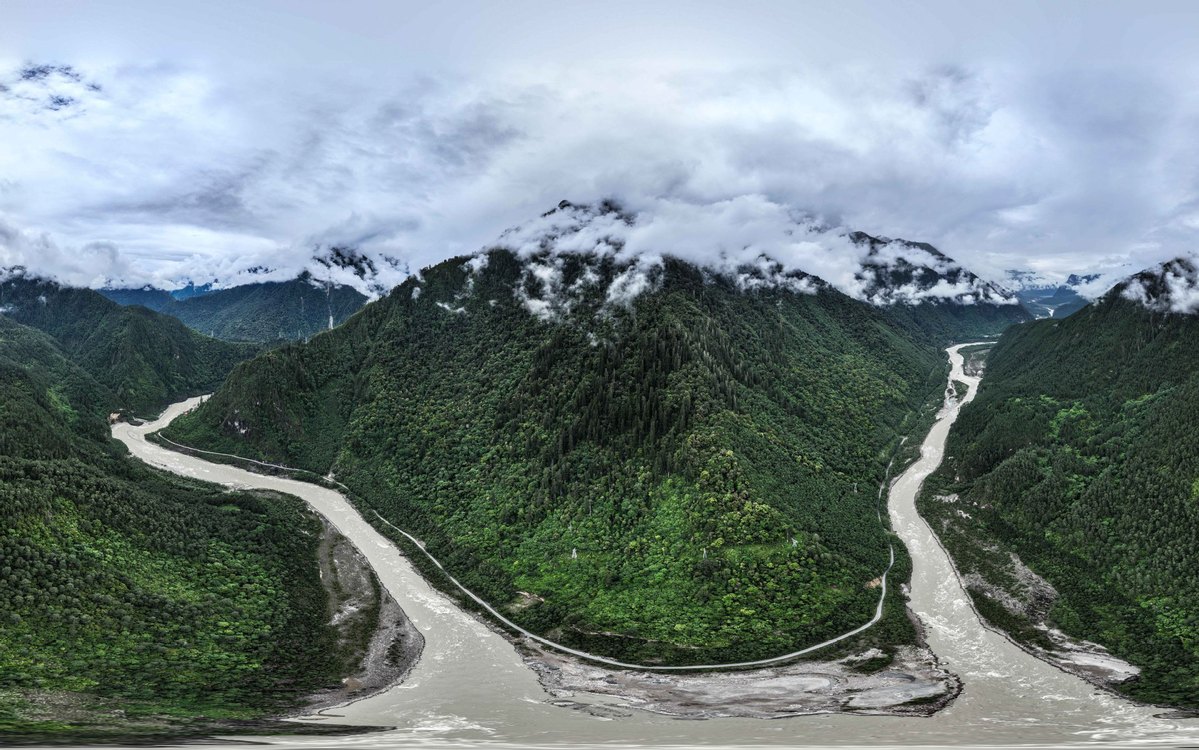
(132, 600)
(264, 311)
(1171, 287)
(1079, 455)
(651, 460)
(143, 358)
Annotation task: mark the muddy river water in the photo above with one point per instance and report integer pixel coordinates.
(471, 688)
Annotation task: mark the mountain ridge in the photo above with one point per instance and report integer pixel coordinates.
(146, 359)
(623, 397)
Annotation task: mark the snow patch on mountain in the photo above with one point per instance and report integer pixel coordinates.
(901, 272)
(750, 241)
(1170, 287)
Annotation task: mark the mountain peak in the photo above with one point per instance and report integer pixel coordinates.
(753, 242)
(1170, 287)
(902, 272)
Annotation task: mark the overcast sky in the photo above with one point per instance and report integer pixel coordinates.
(167, 142)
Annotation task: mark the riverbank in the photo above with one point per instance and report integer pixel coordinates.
(381, 642)
(908, 682)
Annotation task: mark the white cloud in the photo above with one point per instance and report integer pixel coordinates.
(200, 150)
(1170, 287)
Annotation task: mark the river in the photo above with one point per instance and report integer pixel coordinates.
(470, 687)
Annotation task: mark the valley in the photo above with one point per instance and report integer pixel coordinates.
(679, 478)
(652, 486)
(263, 312)
(542, 375)
(471, 684)
(1078, 462)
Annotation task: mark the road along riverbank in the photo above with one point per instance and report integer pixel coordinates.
(472, 686)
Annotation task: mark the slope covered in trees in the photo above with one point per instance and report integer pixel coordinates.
(260, 312)
(1079, 455)
(131, 600)
(686, 474)
(144, 359)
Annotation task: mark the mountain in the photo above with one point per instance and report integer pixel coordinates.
(131, 601)
(1171, 287)
(146, 296)
(145, 359)
(902, 272)
(190, 290)
(263, 312)
(1079, 457)
(639, 472)
(928, 291)
(646, 458)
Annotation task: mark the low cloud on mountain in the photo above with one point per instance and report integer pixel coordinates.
(1171, 287)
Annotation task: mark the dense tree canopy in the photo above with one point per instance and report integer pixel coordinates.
(144, 359)
(148, 593)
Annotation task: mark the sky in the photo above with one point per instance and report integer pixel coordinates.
(149, 142)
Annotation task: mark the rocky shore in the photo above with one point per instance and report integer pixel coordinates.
(914, 684)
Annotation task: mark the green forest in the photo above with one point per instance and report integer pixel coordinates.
(688, 479)
(142, 358)
(1079, 455)
(134, 602)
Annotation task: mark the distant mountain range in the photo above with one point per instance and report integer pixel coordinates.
(142, 358)
(264, 311)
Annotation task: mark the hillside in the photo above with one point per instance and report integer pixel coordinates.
(1079, 456)
(656, 463)
(263, 312)
(132, 601)
(143, 358)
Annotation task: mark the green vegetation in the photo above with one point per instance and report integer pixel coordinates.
(265, 312)
(1079, 455)
(133, 601)
(143, 359)
(689, 479)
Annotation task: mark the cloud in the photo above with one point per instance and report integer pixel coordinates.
(1171, 287)
(201, 170)
(40, 254)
